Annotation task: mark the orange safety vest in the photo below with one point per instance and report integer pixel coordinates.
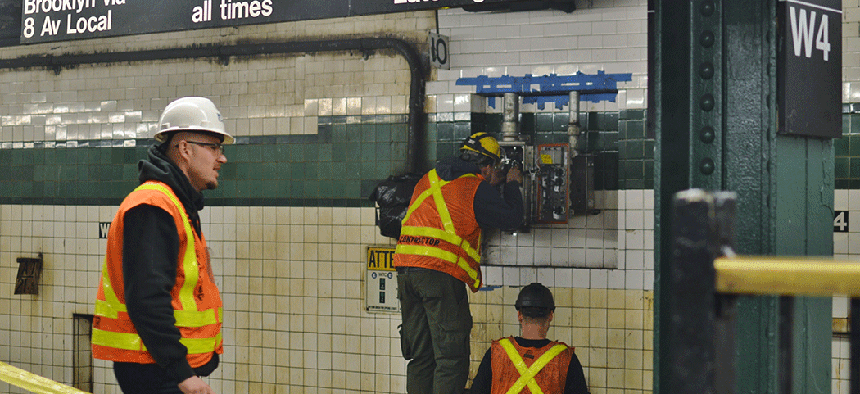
(439, 230)
(542, 370)
(197, 305)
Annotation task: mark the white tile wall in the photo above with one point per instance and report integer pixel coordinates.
(277, 306)
(293, 299)
(845, 248)
(600, 35)
(292, 277)
(622, 248)
(850, 51)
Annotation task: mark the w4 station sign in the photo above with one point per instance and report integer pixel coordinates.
(809, 68)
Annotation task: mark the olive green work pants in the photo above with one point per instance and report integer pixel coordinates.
(435, 331)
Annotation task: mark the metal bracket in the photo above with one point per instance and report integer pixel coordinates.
(549, 88)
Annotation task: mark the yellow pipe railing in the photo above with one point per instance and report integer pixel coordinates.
(32, 382)
(800, 276)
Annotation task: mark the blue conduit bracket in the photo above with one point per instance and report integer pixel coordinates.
(551, 88)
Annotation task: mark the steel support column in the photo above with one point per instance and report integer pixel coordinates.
(715, 120)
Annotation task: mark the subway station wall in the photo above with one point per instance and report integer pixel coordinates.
(291, 222)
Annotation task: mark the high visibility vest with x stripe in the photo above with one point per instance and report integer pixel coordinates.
(439, 230)
(197, 304)
(518, 369)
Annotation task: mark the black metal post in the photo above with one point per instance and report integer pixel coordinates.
(702, 230)
(725, 325)
(786, 344)
(724, 344)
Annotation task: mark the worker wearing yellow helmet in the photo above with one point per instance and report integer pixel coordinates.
(438, 255)
(484, 145)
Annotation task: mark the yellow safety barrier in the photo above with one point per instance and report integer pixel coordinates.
(814, 276)
(35, 383)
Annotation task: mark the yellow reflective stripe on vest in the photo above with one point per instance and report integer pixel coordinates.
(418, 200)
(127, 341)
(435, 190)
(443, 235)
(527, 374)
(198, 318)
(189, 261)
(188, 317)
(436, 184)
(451, 257)
(448, 234)
(183, 318)
(111, 306)
(445, 255)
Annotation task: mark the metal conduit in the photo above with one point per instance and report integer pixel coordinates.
(414, 151)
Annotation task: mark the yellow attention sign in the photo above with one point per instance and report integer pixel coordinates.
(380, 258)
(546, 159)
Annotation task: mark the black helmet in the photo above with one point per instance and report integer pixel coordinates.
(535, 300)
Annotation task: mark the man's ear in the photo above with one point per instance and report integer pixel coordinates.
(180, 151)
(184, 148)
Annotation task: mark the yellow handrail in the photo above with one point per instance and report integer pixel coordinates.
(801, 276)
(35, 383)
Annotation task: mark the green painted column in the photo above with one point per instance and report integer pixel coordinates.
(804, 220)
(715, 122)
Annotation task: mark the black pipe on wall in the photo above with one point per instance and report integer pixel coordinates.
(414, 151)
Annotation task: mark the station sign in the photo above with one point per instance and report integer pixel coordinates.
(439, 51)
(62, 20)
(381, 280)
(809, 68)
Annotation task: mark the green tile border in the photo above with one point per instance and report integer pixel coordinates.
(846, 150)
(338, 166)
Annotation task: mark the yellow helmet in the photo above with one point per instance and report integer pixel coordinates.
(483, 144)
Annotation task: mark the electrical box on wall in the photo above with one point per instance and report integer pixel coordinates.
(553, 183)
(558, 180)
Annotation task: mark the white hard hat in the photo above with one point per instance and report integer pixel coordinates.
(191, 114)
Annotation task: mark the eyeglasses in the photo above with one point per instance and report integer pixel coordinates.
(219, 150)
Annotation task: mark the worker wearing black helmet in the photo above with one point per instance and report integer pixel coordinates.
(530, 360)
(438, 255)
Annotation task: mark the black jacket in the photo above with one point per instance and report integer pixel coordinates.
(149, 256)
(492, 209)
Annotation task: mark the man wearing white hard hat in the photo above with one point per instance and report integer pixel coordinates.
(158, 312)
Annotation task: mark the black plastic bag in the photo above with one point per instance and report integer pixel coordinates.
(392, 198)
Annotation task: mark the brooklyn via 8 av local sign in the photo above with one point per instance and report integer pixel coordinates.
(62, 20)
